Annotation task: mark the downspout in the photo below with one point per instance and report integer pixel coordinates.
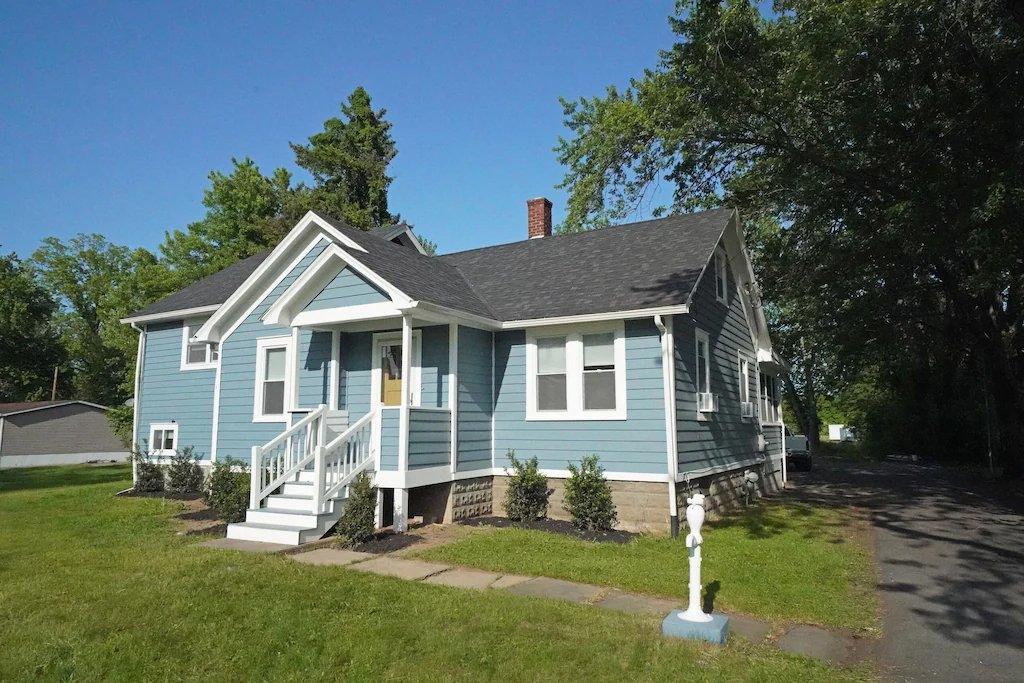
(139, 359)
(664, 325)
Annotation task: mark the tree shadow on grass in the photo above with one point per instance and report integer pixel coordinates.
(61, 476)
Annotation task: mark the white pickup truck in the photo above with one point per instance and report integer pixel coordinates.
(798, 453)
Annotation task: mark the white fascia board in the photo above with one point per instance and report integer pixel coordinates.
(295, 241)
(171, 315)
(344, 314)
(445, 314)
(312, 217)
(277, 314)
(630, 314)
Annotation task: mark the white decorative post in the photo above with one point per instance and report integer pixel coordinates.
(695, 520)
(694, 623)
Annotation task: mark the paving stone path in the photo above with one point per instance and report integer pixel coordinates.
(810, 641)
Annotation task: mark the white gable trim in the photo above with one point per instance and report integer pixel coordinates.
(171, 315)
(331, 263)
(226, 319)
(54, 405)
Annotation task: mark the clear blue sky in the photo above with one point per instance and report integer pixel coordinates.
(113, 114)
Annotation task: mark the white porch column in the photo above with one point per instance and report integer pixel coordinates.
(401, 508)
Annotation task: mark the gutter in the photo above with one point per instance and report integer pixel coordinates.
(664, 325)
(140, 357)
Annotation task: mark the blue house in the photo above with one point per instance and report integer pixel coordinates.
(342, 351)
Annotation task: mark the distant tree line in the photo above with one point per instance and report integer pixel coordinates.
(873, 148)
(60, 308)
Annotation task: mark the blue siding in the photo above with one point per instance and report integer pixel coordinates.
(723, 438)
(636, 444)
(172, 395)
(355, 373)
(430, 438)
(346, 289)
(389, 423)
(475, 400)
(773, 435)
(314, 368)
(434, 367)
(237, 432)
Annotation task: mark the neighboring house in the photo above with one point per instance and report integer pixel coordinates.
(341, 351)
(56, 433)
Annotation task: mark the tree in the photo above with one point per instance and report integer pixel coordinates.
(29, 344)
(349, 161)
(97, 284)
(881, 136)
(246, 213)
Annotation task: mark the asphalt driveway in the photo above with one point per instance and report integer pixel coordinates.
(950, 552)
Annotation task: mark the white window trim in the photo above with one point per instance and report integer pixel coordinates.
(698, 336)
(416, 363)
(744, 383)
(777, 421)
(722, 270)
(574, 372)
(187, 331)
(262, 345)
(166, 427)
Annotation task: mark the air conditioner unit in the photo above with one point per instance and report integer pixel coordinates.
(746, 409)
(707, 402)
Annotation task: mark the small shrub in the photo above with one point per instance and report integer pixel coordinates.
(149, 477)
(356, 524)
(526, 498)
(184, 475)
(227, 492)
(588, 498)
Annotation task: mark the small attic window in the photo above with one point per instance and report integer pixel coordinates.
(721, 279)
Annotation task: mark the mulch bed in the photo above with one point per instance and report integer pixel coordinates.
(555, 526)
(132, 493)
(386, 542)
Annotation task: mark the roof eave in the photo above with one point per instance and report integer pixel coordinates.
(179, 314)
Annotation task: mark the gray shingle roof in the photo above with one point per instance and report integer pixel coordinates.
(211, 290)
(640, 265)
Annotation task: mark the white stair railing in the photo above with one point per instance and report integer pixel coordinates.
(337, 464)
(279, 459)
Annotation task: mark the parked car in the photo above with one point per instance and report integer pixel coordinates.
(798, 454)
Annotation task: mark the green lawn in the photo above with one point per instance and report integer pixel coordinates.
(94, 587)
(782, 561)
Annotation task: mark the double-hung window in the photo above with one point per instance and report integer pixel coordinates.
(706, 401)
(576, 374)
(197, 355)
(746, 405)
(163, 438)
(769, 399)
(721, 277)
(273, 379)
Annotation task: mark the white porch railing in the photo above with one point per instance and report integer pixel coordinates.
(337, 463)
(279, 459)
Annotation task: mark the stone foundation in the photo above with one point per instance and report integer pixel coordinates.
(470, 498)
(640, 505)
(724, 491)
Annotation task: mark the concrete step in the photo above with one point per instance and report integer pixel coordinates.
(290, 502)
(268, 533)
(298, 488)
(289, 518)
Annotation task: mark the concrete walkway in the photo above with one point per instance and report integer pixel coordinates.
(950, 553)
(810, 641)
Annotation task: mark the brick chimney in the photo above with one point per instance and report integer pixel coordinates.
(538, 215)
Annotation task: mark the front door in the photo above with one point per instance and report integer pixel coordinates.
(391, 374)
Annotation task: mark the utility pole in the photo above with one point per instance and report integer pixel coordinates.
(53, 391)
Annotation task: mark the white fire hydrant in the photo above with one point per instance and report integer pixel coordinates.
(695, 520)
